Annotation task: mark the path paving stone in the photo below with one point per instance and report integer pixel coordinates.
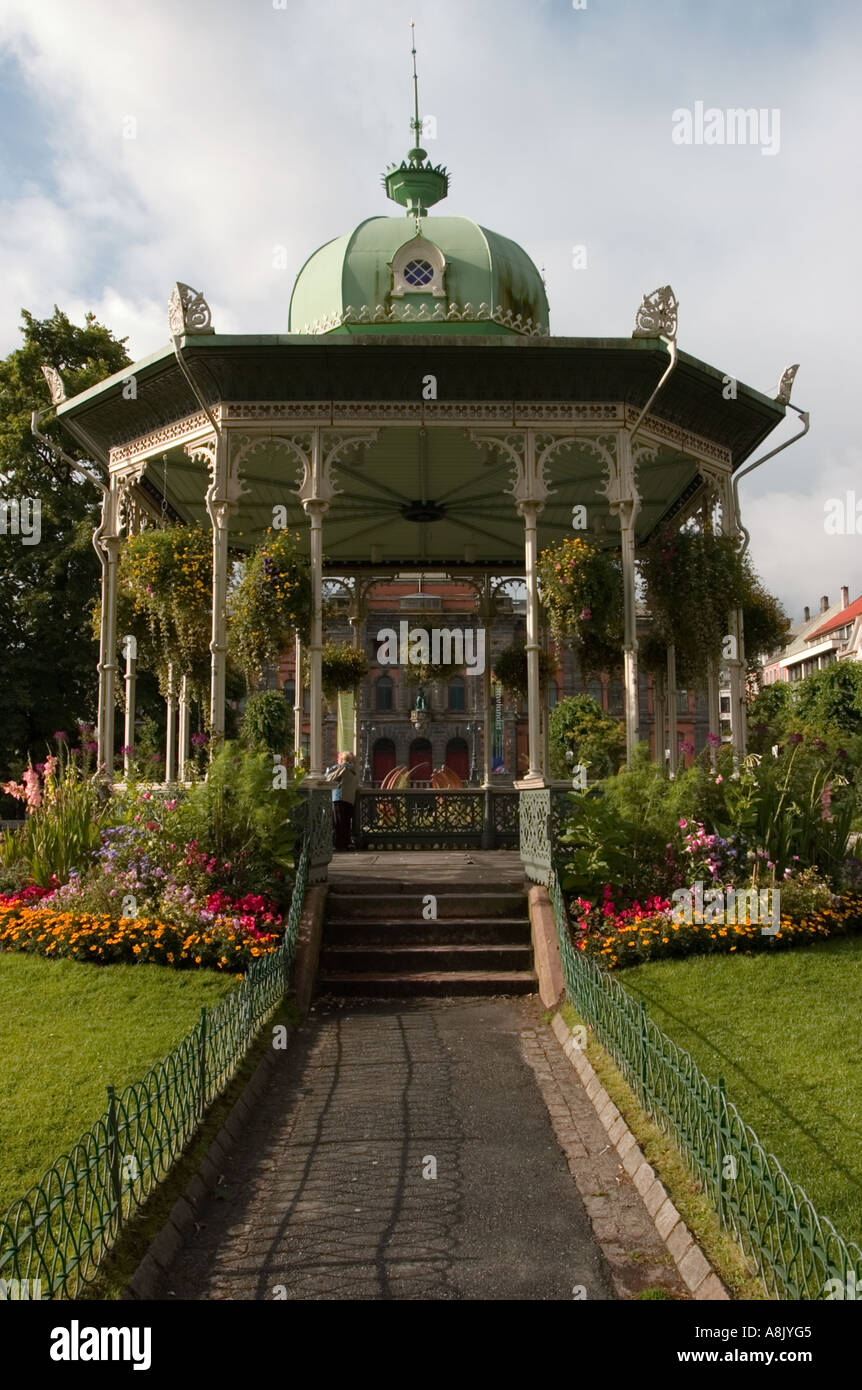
(324, 1195)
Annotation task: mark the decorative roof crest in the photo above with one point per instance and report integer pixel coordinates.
(55, 385)
(188, 311)
(657, 315)
(785, 385)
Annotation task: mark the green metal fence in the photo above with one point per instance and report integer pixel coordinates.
(796, 1251)
(61, 1230)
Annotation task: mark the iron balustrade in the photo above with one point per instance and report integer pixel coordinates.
(62, 1229)
(439, 818)
(795, 1250)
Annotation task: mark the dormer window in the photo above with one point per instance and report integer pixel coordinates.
(418, 267)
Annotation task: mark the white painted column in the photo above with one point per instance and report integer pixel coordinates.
(626, 502)
(218, 506)
(183, 747)
(108, 658)
(713, 710)
(315, 508)
(672, 735)
(130, 649)
(171, 727)
(297, 703)
(659, 716)
(530, 511)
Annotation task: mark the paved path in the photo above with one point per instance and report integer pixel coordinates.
(326, 1195)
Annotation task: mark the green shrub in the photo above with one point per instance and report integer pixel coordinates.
(597, 739)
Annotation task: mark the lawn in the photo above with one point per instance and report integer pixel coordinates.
(68, 1029)
(784, 1031)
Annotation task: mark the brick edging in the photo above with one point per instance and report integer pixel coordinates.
(694, 1268)
(163, 1248)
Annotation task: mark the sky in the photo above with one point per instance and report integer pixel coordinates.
(219, 142)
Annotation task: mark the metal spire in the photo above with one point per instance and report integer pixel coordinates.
(416, 122)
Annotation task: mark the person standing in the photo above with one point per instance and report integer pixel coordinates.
(344, 781)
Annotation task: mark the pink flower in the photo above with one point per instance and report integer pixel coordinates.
(584, 614)
(713, 739)
(33, 793)
(719, 779)
(683, 823)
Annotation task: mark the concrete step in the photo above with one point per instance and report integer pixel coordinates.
(434, 959)
(447, 984)
(413, 931)
(403, 906)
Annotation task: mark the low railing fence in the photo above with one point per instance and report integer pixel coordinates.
(796, 1251)
(55, 1237)
(442, 818)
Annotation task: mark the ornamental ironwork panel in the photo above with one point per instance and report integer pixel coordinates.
(535, 831)
(59, 1232)
(504, 810)
(437, 819)
(796, 1251)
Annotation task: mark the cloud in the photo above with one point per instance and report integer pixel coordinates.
(189, 141)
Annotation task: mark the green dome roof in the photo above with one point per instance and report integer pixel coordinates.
(419, 275)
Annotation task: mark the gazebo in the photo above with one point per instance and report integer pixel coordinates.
(418, 414)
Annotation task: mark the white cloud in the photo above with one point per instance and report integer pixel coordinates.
(259, 127)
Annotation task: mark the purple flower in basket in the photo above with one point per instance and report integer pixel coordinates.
(198, 740)
(713, 740)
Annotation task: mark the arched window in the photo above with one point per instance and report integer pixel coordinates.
(418, 267)
(383, 693)
(419, 760)
(458, 757)
(457, 693)
(682, 701)
(615, 697)
(382, 758)
(594, 688)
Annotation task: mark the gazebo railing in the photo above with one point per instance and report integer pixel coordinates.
(439, 818)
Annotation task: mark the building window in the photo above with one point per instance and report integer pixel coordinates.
(682, 702)
(615, 697)
(418, 273)
(458, 758)
(594, 688)
(383, 693)
(457, 694)
(290, 693)
(418, 267)
(553, 694)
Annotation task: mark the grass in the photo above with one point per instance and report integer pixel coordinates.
(69, 1029)
(784, 1032)
(684, 1190)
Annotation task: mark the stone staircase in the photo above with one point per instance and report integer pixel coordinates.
(378, 939)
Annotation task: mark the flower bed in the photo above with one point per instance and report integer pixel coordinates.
(648, 931)
(103, 940)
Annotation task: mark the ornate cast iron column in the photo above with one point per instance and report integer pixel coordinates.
(672, 736)
(297, 702)
(171, 726)
(183, 732)
(106, 539)
(222, 497)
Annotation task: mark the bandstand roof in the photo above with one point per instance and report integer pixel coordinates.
(282, 384)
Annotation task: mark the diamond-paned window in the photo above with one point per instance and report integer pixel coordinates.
(418, 273)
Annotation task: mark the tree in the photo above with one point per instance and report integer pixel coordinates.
(49, 655)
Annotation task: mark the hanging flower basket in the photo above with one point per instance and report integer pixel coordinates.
(693, 580)
(510, 669)
(344, 667)
(581, 589)
(270, 604)
(165, 596)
